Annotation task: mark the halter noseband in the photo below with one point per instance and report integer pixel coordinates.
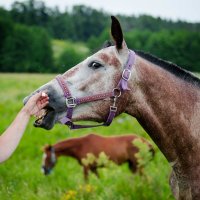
(72, 102)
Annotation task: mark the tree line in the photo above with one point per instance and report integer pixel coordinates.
(82, 22)
(26, 31)
(24, 48)
(181, 47)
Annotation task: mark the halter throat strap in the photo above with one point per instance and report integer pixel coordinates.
(72, 102)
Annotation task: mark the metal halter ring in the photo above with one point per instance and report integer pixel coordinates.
(116, 92)
(71, 102)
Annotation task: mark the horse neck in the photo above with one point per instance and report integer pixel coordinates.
(165, 106)
(66, 147)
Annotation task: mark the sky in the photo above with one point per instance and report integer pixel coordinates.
(187, 10)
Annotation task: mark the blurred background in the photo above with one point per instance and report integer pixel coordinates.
(52, 36)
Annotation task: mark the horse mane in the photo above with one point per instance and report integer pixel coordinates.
(171, 67)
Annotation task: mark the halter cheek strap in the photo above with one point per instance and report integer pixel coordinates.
(53, 155)
(72, 102)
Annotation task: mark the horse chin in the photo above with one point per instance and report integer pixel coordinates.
(93, 118)
(47, 121)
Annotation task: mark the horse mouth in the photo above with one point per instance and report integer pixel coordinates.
(46, 118)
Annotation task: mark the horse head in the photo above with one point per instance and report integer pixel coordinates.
(100, 73)
(49, 159)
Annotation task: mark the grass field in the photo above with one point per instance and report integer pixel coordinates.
(21, 177)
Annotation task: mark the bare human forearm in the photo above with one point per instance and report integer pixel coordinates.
(9, 140)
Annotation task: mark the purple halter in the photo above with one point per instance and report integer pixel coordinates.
(72, 102)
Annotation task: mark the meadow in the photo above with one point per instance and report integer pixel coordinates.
(21, 177)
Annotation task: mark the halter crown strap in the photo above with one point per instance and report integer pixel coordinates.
(126, 74)
(72, 102)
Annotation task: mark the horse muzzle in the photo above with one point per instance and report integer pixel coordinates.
(48, 115)
(47, 120)
(46, 171)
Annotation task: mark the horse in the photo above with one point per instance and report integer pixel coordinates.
(119, 149)
(163, 97)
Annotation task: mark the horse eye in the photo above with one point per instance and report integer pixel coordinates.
(95, 65)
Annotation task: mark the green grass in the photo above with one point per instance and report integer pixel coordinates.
(21, 178)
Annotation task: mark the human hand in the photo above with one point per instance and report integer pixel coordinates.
(36, 103)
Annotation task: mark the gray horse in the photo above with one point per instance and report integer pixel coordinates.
(164, 98)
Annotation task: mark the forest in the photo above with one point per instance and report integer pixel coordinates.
(37, 38)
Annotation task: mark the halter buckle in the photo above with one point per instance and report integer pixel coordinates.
(126, 74)
(113, 108)
(71, 102)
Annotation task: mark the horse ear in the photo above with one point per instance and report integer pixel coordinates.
(117, 33)
(47, 147)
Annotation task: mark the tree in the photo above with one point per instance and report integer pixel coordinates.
(69, 58)
(24, 49)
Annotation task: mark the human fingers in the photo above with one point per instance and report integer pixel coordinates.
(35, 97)
(41, 105)
(43, 99)
(40, 95)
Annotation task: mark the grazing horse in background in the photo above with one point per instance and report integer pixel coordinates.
(164, 98)
(119, 149)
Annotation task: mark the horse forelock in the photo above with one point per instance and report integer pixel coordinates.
(108, 43)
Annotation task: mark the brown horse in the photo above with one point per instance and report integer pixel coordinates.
(164, 98)
(119, 149)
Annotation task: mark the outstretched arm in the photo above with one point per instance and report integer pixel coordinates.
(9, 140)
